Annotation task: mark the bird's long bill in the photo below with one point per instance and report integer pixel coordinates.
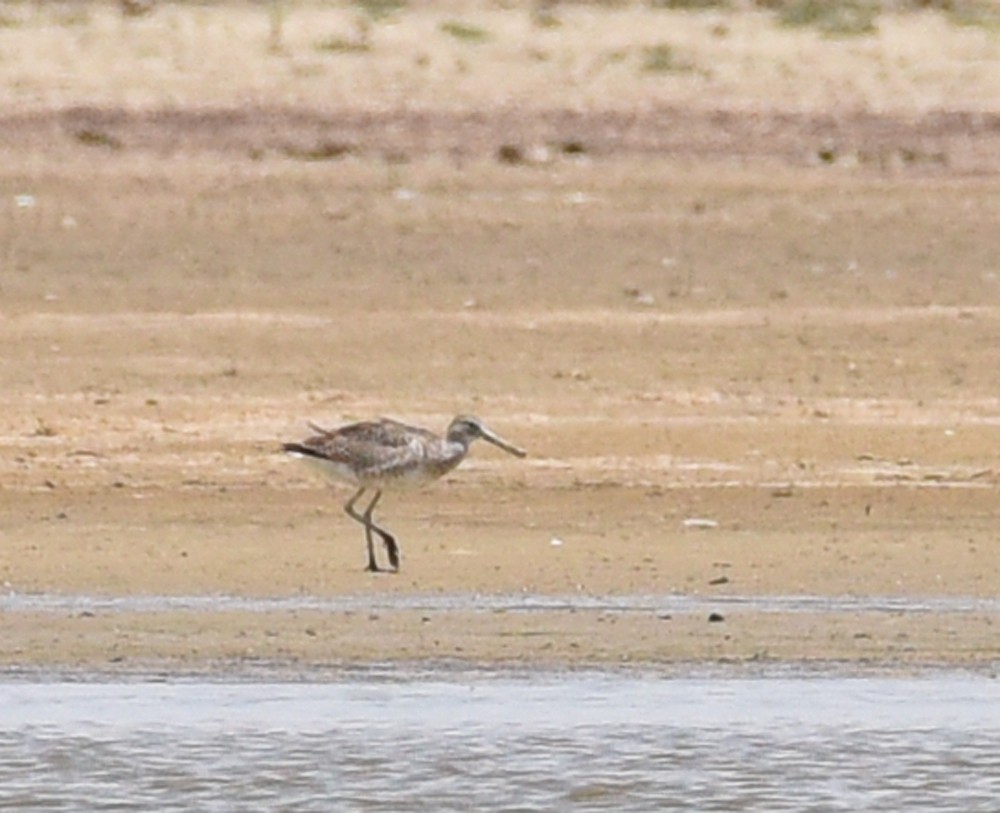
(496, 440)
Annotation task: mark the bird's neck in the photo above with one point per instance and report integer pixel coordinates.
(453, 451)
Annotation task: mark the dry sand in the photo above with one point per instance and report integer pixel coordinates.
(687, 301)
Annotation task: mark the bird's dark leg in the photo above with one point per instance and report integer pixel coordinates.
(391, 547)
(349, 508)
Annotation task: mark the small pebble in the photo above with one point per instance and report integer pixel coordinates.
(700, 523)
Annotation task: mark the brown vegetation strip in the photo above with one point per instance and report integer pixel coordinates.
(959, 141)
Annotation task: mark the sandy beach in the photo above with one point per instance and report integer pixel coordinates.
(742, 312)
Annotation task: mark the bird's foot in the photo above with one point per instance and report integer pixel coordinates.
(393, 568)
(393, 551)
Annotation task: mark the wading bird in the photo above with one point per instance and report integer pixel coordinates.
(386, 454)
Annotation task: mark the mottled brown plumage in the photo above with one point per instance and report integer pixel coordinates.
(385, 454)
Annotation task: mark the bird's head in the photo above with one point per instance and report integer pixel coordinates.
(467, 428)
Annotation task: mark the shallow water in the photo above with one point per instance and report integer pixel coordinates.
(494, 602)
(468, 741)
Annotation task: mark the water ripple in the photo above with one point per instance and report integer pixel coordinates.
(586, 742)
(12, 602)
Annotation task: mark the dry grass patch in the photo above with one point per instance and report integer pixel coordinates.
(226, 54)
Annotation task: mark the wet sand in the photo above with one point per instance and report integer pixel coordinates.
(738, 371)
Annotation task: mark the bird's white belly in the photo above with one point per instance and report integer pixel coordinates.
(416, 477)
(335, 471)
(411, 478)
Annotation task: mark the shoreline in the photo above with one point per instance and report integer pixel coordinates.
(236, 636)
